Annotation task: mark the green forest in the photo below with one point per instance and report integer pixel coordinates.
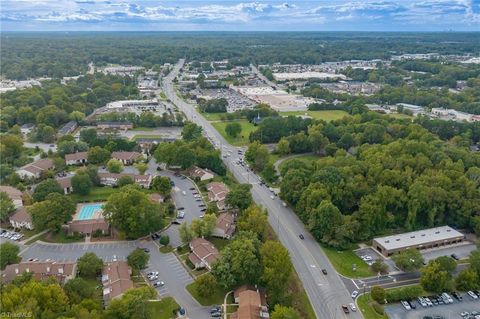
(55, 54)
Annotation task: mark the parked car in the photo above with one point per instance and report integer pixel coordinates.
(412, 304)
(422, 302)
(457, 296)
(158, 284)
(354, 294)
(215, 309)
(352, 306)
(215, 314)
(406, 305)
(152, 278)
(345, 309)
(472, 294)
(152, 273)
(114, 258)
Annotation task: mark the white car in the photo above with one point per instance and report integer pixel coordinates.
(352, 306)
(272, 197)
(367, 258)
(354, 294)
(472, 294)
(158, 284)
(152, 278)
(114, 258)
(152, 273)
(406, 305)
(428, 301)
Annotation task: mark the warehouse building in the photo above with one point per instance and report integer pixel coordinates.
(421, 239)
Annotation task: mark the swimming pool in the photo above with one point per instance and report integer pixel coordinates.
(87, 211)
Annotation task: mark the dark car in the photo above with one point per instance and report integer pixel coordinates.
(172, 183)
(324, 271)
(146, 250)
(412, 304)
(454, 256)
(215, 314)
(203, 210)
(180, 208)
(215, 309)
(192, 188)
(159, 168)
(301, 236)
(457, 296)
(176, 222)
(345, 309)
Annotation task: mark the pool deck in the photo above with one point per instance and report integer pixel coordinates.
(95, 215)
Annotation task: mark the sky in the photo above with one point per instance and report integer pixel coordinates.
(231, 15)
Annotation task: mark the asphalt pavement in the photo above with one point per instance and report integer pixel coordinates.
(326, 292)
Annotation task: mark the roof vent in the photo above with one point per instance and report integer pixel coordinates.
(387, 241)
(412, 236)
(437, 232)
(398, 239)
(448, 230)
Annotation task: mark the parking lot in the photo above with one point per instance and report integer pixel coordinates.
(450, 311)
(374, 256)
(462, 250)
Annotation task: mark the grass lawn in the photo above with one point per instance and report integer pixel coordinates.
(400, 116)
(166, 249)
(59, 238)
(213, 116)
(363, 303)
(96, 194)
(143, 128)
(163, 309)
(219, 243)
(303, 158)
(240, 140)
(330, 115)
(343, 261)
(135, 137)
(214, 299)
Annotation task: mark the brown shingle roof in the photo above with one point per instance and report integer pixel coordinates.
(204, 250)
(41, 270)
(76, 156)
(64, 182)
(12, 192)
(126, 156)
(226, 222)
(21, 215)
(116, 279)
(39, 166)
(250, 303)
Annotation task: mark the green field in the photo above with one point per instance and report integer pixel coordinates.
(240, 140)
(163, 309)
(96, 194)
(363, 303)
(303, 158)
(400, 116)
(319, 115)
(143, 128)
(344, 259)
(214, 299)
(213, 116)
(135, 137)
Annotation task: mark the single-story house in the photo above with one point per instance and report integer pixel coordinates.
(78, 158)
(251, 303)
(61, 271)
(127, 158)
(217, 192)
(14, 194)
(115, 125)
(88, 226)
(66, 184)
(21, 219)
(111, 179)
(225, 226)
(116, 280)
(201, 174)
(203, 253)
(35, 169)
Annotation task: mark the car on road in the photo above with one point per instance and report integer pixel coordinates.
(455, 256)
(192, 188)
(272, 196)
(201, 216)
(158, 284)
(345, 309)
(354, 294)
(324, 271)
(146, 250)
(301, 236)
(352, 306)
(182, 312)
(180, 208)
(114, 258)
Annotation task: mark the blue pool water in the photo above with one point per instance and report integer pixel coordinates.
(87, 211)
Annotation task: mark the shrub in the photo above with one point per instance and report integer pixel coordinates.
(164, 240)
(398, 294)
